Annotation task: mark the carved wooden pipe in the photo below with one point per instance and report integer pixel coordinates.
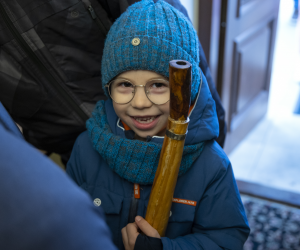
(163, 187)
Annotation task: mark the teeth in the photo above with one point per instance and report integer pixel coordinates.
(145, 119)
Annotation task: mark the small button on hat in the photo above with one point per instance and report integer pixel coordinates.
(97, 202)
(135, 41)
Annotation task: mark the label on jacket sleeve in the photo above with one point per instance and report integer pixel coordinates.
(137, 194)
(187, 202)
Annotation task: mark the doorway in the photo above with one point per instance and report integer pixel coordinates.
(269, 155)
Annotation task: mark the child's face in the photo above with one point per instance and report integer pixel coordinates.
(140, 114)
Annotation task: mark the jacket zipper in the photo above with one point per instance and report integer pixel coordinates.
(42, 68)
(94, 16)
(134, 203)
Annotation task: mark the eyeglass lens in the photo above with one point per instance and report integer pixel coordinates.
(122, 91)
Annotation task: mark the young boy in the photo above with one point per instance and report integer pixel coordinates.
(122, 145)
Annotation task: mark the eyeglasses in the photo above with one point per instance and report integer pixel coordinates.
(122, 90)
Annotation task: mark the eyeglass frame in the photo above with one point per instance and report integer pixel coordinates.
(108, 85)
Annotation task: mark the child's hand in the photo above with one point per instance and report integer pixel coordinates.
(130, 232)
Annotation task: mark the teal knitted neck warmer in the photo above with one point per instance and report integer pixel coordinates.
(134, 160)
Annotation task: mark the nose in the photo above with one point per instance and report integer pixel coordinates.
(140, 100)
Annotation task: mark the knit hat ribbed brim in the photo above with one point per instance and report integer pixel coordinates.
(146, 37)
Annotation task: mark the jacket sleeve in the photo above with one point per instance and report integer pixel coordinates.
(220, 220)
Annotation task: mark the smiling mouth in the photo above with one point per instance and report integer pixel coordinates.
(144, 119)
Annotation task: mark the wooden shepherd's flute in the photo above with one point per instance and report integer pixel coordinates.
(163, 187)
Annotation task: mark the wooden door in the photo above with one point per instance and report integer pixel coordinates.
(239, 44)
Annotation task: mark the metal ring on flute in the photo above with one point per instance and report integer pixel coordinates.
(175, 136)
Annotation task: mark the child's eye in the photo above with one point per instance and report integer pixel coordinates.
(158, 85)
(158, 88)
(125, 84)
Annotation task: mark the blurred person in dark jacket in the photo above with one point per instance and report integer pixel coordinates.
(41, 208)
(50, 56)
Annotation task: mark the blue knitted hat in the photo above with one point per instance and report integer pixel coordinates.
(147, 36)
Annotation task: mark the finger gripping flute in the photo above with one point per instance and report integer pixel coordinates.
(163, 187)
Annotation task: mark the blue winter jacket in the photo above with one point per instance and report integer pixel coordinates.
(218, 220)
